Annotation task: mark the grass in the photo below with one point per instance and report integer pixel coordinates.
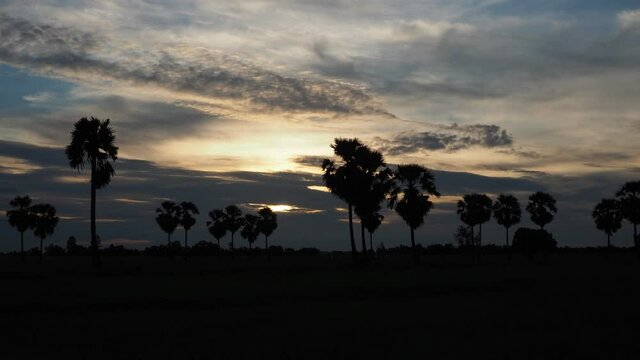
(572, 306)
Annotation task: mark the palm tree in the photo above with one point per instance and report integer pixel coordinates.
(340, 177)
(233, 221)
(411, 189)
(20, 217)
(44, 222)
(186, 213)
(217, 225)
(267, 224)
(250, 230)
(475, 209)
(168, 218)
(542, 208)
(93, 145)
(629, 197)
(507, 212)
(371, 222)
(608, 217)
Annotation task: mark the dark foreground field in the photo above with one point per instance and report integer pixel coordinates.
(575, 306)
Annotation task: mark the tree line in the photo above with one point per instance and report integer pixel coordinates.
(356, 174)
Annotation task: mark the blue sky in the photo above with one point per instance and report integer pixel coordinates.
(497, 96)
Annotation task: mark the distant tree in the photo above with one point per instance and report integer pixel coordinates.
(507, 212)
(44, 222)
(608, 217)
(629, 197)
(475, 209)
(371, 222)
(93, 145)
(267, 224)
(412, 187)
(531, 241)
(168, 218)
(233, 221)
(20, 217)
(186, 213)
(217, 225)
(250, 230)
(542, 208)
(341, 177)
(463, 236)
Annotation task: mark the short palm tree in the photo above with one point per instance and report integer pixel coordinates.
(217, 225)
(372, 222)
(93, 145)
(542, 208)
(250, 230)
(507, 212)
(233, 222)
(168, 218)
(20, 217)
(186, 213)
(44, 222)
(475, 209)
(267, 224)
(608, 217)
(629, 197)
(410, 192)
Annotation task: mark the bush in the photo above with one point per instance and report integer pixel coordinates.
(531, 241)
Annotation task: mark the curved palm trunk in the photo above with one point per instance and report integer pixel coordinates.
(364, 242)
(416, 255)
(94, 240)
(507, 228)
(354, 252)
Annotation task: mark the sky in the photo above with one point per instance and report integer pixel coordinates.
(221, 103)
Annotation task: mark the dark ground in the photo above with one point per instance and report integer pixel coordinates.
(574, 306)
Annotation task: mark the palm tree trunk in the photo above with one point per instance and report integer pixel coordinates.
(371, 242)
(507, 228)
(94, 239)
(416, 256)
(354, 253)
(364, 242)
(266, 247)
(41, 238)
(22, 246)
(168, 241)
(185, 239)
(231, 247)
(635, 238)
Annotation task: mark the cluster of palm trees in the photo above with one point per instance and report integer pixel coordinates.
(609, 213)
(476, 209)
(41, 218)
(231, 219)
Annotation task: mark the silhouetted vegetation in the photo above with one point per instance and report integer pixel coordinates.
(608, 217)
(20, 217)
(533, 241)
(475, 209)
(507, 212)
(541, 208)
(44, 222)
(168, 218)
(629, 197)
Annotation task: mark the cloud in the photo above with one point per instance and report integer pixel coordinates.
(629, 20)
(448, 138)
(40, 97)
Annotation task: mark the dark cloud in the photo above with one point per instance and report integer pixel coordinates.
(309, 160)
(449, 138)
(64, 50)
(332, 65)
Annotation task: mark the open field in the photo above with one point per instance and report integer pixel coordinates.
(573, 306)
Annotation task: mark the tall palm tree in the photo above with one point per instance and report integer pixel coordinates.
(608, 217)
(168, 218)
(411, 189)
(507, 212)
(542, 208)
(217, 225)
(371, 222)
(44, 221)
(93, 145)
(629, 197)
(20, 217)
(186, 213)
(233, 222)
(250, 230)
(267, 224)
(475, 209)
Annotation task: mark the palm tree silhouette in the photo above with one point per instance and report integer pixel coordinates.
(250, 230)
(217, 225)
(629, 197)
(507, 212)
(542, 208)
(44, 222)
(93, 144)
(371, 222)
(475, 209)
(410, 192)
(168, 218)
(608, 217)
(186, 213)
(233, 222)
(267, 224)
(20, 217)
(341, 177)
